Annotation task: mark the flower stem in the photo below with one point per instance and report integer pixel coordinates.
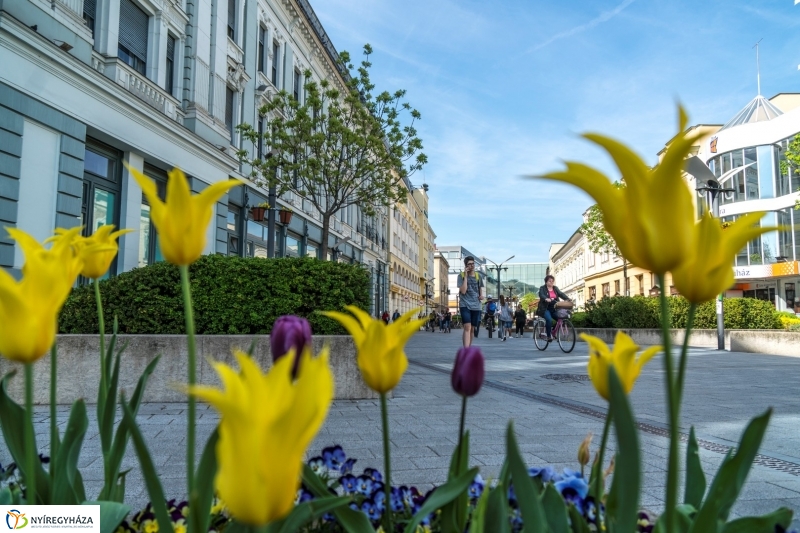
(53, 426)
(386, 466)
(31, 455)
(684, 351)
(599, 482)
(102, 326)
(461, 424)
(673, 407)
(190, 429)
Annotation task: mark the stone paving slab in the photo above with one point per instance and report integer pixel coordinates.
(723, 391)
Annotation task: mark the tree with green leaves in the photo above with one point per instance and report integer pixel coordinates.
(528, 301)
(600, 241)
(790, 163)
(338, 148)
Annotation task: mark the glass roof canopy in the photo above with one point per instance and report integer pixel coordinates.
(759, 109)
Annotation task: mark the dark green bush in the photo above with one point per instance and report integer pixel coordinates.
(623, 312)
(232, 295)
(580, 319)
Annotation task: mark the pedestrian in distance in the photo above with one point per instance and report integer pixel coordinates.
(520, 318)
(385, 317)
(446, 322)
(505, 319)
(395, 315)
(470, 287)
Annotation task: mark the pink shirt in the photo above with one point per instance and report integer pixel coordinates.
(552, 294)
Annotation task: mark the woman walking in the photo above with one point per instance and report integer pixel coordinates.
(505, 318)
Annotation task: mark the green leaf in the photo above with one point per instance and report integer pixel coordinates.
(112, 489)
(477, 520)
(151, 481)
(66, 475)
(111, 514)
(627, 474)
(306, 512)
(528, 494)
(497, 511)
(731, 476)
(352, 521)
(12, 422)
(203, 492)
(761, 524)
(555, 509)
(695, 478)
(577, 521)
(454, 515)
(441, 497)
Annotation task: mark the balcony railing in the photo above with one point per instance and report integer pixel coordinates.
(146, 90)
(74, 6)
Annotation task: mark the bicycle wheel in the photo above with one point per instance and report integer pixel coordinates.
(490, 329)
(538, 331)
(566, 336)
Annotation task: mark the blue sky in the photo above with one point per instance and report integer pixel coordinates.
(505, 87)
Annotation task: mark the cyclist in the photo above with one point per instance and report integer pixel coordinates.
(549, 294)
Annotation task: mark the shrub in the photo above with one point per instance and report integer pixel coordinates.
(623, 312)
(232, 295)
(580, 319)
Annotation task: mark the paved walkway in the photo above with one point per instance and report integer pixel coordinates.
(551, 403)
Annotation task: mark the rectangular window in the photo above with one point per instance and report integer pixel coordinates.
(262, 34)
(292, 246)
(296, 85)
(260, 145)
(132, 46)
(606, 289)
(232, 19)
(616, 288)
(229, 111)
(591, 259)
(101, 189)
(170, 82)
(312, 251)
(89, 13)
(275, 52)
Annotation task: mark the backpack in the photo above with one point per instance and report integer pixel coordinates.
(492, 307)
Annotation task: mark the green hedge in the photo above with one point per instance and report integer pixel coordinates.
(624, 312)
(232, 295)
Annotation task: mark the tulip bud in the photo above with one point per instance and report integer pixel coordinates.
(467, 376)
(584, 454)
(289, 332)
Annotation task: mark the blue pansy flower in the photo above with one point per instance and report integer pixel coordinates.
(349, 483)
(545, 474)
(364, 485)
(317, 464)
(573, 484)
(303, 496)
(347, 466)
(397, 504)
(334, 457)
(373, 474)
(369, 508)
(379, 497)
(476, 487)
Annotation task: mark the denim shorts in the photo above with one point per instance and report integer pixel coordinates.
(470, 316)
(506, 324)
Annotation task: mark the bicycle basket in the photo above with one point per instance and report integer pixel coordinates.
(562, 313)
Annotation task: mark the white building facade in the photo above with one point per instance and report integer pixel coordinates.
(568, 266)
(89, 86)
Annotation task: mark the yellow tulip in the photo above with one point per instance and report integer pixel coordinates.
(651, 218)
(267, 422)
(623, 358)
(381, 358)
(183, 219)
(29, 307)
(708, 268)
(99, 250)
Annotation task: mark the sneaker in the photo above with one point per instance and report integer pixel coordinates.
(549, 339)
(542, 336)
(504, 339)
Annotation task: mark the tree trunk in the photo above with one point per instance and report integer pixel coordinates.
(625, 277)
(326, 228)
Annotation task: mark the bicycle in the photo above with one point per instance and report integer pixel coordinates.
(489, 324)
(563, 332)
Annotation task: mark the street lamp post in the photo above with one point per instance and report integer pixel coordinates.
(498, 268)
(708, 187)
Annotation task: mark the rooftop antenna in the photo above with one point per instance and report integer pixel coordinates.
(758, 66)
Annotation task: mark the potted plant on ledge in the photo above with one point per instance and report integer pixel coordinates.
(285, 215)
(259, 211)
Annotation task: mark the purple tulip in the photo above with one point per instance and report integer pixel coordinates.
(467, 376)
(289, 332)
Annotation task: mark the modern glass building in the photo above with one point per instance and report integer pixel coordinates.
(522, 278)
(748, 155)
